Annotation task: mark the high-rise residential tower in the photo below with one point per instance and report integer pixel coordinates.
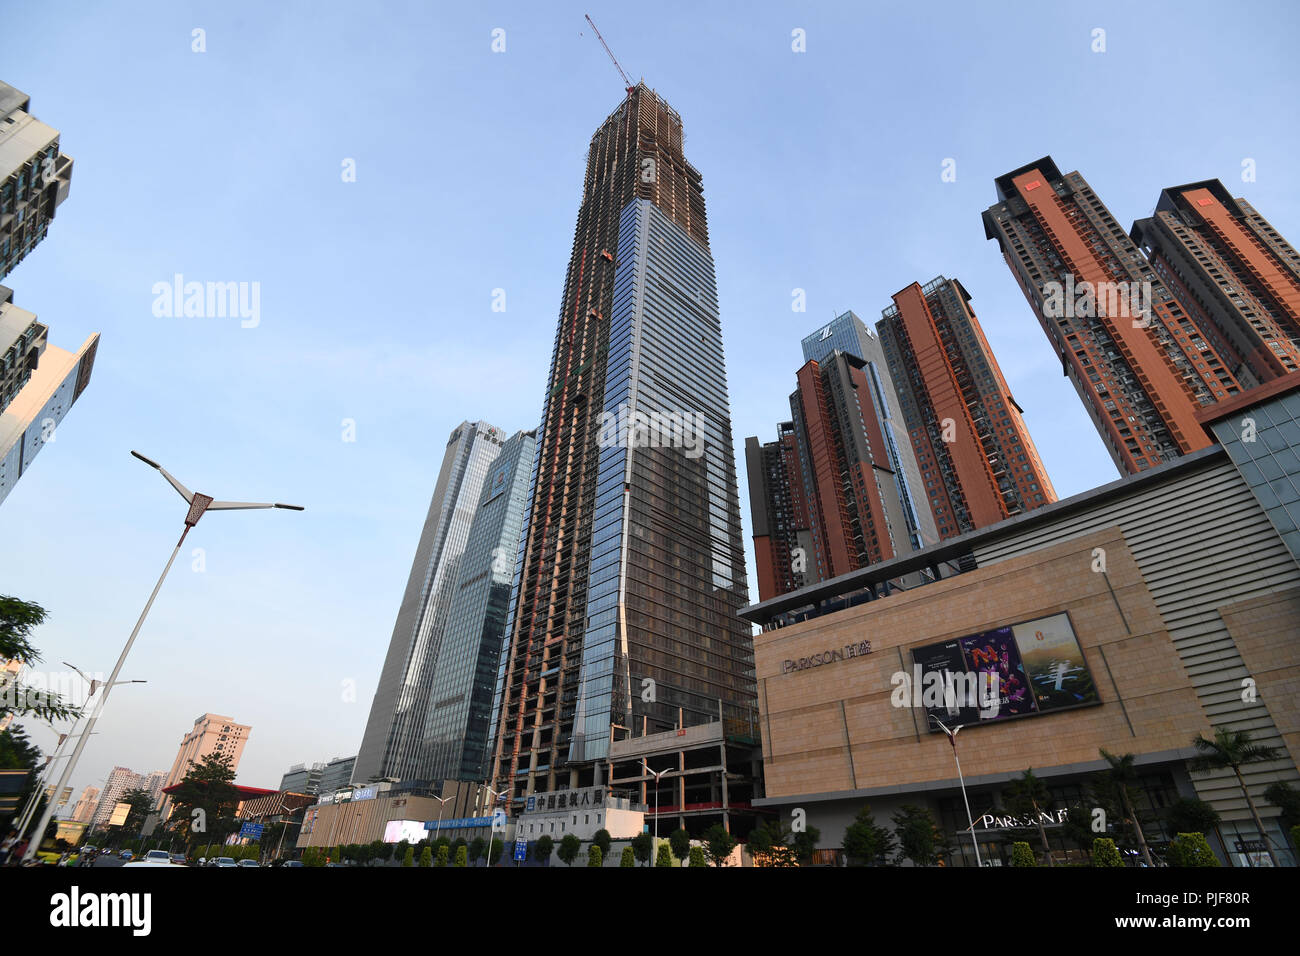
(119, 781)
(211, 734)
(391, 746)
(779, 514)
(38, 382)
(978, 464)
(849, 334)
(34, 177)
(836, 491)
(1141, 363)
(1233, 273)
(154, 783)
(22, 340)
(632, 569)
(459, 723)
(86, 805)
(28, 422)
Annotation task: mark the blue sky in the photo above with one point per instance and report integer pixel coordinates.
(821, 172)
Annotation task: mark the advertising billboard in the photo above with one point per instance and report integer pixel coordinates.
(412, 831)
(1037, 667)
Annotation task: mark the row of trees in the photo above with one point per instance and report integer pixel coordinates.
(1112, 807)
(1112, 797)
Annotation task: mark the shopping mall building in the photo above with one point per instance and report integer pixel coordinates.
(1133, 618)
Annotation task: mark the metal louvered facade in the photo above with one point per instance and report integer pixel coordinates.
(1202, 541)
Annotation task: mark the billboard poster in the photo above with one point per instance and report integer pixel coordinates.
(1054, 664)
(1038, 664)
(412, 831)
(995, 652)
(947, 661)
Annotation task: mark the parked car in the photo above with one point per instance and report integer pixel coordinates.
(224, 861)
(292, 863)
(145, 861)
(160, 856)
(178, 859)
(253, 863)
(127, 855)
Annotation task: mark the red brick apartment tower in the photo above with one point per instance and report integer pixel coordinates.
(976, 457)
(779, 513)
(1232, 271)
(1142, 373)
(835, 482)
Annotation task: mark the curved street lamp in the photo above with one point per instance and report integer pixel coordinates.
(199, 504)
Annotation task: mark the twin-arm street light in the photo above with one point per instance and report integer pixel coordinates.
(952, 739)
(199, 504)
(492, 826)
(656, 776)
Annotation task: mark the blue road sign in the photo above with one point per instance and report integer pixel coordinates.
(521, 850)
(251, 831)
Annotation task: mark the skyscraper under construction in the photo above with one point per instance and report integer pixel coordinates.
(631, 570)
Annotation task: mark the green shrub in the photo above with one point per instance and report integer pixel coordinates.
(1104, 853)
(1022, 855)
(408, 858)
(569, 848)
(602, 839)
(665, 855)
(594, 856)
(680, 841)
(697, 857)
(642, 846)
(545, 847)
(628, 858)
(718, 844)
(444, 854)
(426, 856)
(1190, 849)
(462, 856)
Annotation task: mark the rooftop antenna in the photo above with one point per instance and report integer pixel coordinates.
(627, 83)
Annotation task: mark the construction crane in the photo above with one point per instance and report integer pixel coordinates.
(627, 83)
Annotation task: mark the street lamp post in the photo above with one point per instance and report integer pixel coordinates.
(199, 504)
(952, 739)
(442, 802)
(54, 758)
(491, 827)
(656, 776)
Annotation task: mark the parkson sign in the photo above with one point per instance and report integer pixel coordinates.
(830, 656)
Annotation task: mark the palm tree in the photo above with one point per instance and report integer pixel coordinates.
(1028, 796)
(1122, 774)
(1233, 748)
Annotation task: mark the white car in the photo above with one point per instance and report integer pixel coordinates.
(224, 861)
(161, 856)
(146, 861)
